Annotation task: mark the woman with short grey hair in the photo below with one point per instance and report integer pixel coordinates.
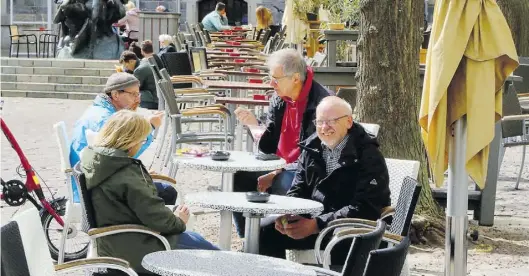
(166, 44)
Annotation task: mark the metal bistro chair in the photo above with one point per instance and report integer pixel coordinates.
(399, 227)
(363, 243)
(25, 251)
(16, 38)
(176, 115)
(49, 41)
(515, 127)
(89, 222)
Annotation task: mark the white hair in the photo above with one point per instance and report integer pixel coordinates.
(335, 101)
(290, 60)
(165, 39)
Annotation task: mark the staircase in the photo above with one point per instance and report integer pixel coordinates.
(77, 79)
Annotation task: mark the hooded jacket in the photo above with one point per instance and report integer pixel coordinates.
(93, 119)
(122, 192)
(359, 188)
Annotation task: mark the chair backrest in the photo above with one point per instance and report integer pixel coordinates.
(319, 59)
(511, 106)
(265, 36)
(522, 71)
(199, 60)
(172, 106)
(408, 197)
(398, 170)
(361, 246)
(177, 43)
(371, 128)
(64, 153)
(13, 30)
(349, 95)
(177, 63)
(189, 30)
(88, 221)
(168, 92)
(13, 254)
(38, 258)
(208, 37)
(387, 261)
(156, 73)
(258, 34)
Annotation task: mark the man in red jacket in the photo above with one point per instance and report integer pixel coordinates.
(289, 121)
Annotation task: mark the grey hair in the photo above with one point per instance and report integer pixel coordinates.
(165, 37)
(290, 60)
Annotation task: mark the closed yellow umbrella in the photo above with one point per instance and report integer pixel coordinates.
(470, 55)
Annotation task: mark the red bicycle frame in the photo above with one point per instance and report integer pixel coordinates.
(32, 181)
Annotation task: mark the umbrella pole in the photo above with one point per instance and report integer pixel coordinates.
(457, 203)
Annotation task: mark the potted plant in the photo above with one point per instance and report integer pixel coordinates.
(307, 10)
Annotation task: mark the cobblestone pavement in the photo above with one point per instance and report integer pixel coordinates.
(31, 120)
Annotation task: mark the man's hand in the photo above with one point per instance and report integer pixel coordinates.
(280, 224)
(302, 228)
(265, 181)
(246, 117)
(156, 118)
(182, 212)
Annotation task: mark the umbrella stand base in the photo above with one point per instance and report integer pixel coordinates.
(457, 203)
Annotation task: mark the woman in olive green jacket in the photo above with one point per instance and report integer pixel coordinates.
(122, 192)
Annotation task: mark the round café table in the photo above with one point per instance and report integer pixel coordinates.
(239, 161)
(220, 263)
(236, 202)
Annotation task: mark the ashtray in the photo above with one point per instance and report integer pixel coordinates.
(220, 155)
(258, 197)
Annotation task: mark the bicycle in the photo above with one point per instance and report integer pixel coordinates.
(16, 193)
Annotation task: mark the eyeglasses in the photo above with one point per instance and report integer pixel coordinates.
(134, 94)
(330, 122)
(277, 79)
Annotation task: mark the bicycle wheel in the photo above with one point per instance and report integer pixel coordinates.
(76, 246)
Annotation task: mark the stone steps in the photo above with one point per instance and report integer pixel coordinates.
(57, 63)
(52, 87)
(48, 94)
(101, 72)
(54, 78)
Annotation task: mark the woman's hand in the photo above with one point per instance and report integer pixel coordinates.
(182, 212)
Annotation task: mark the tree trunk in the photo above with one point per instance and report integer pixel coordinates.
(389, 83)
(517, 14)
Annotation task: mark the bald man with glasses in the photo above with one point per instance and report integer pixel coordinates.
(340, 166)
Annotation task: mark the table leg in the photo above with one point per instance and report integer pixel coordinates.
(225, 230)
(251, 233)
(225, 216)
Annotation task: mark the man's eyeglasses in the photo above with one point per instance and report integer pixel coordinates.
(330, 122)
(277, 79)
(134, 94)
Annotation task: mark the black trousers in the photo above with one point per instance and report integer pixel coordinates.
(272, 243)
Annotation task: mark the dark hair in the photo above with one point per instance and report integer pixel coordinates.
(220, 6)
(146, 47)
(135, 48)
(127, 56)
